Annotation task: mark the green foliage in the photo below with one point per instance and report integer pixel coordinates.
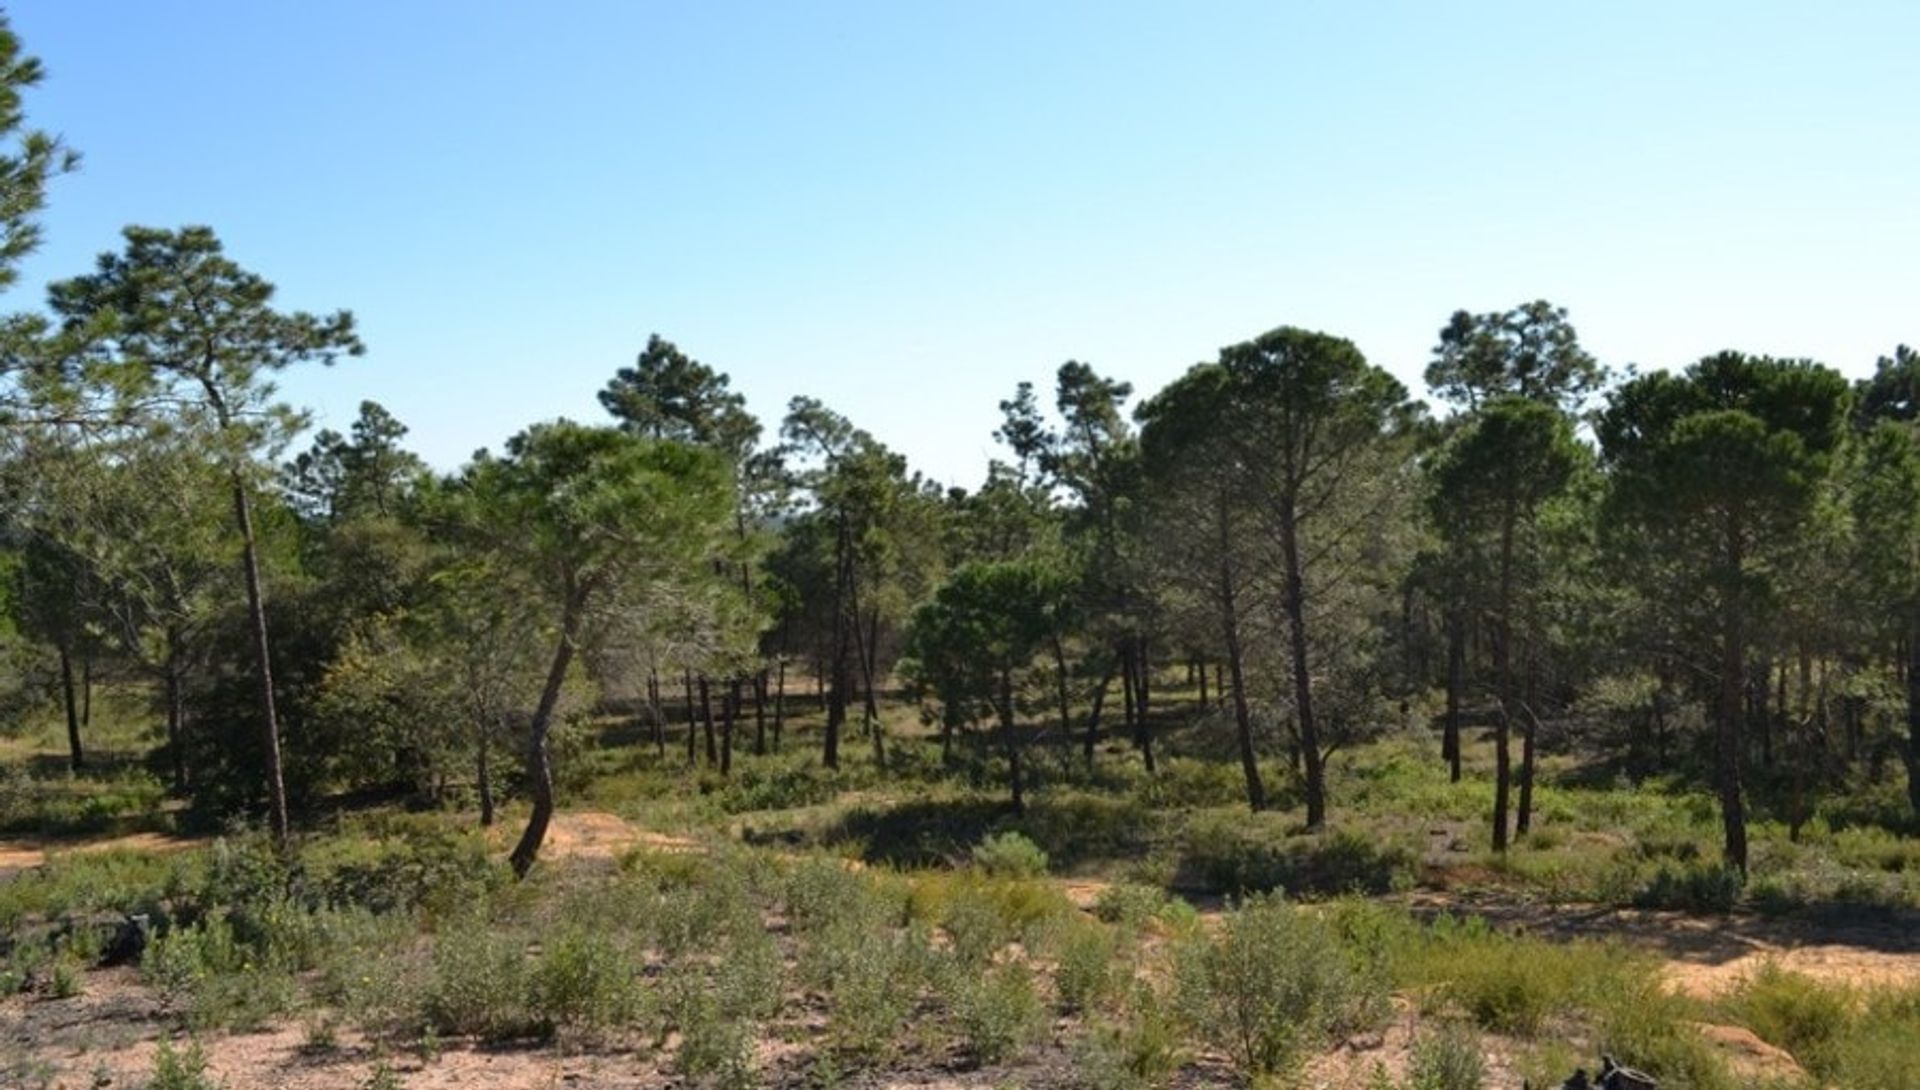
(176, 1070)
(1693, 887)
(1272, 985)
(1233, 855)
(1447, 1059)
(998, 1011)
(481, 984)
(1141, 1049)
(1010, 855)
(1085, 972)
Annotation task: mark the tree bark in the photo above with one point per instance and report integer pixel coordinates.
(1456, 677)
(1296, 607)
(263, 658)
(779, 702)
(1732, 691)
(1230, 631)
(1009, 742)
(1913, 710)
(539, 760)
(76, 759)
(484, 779)
(1503, 678)
(729, 708)
(1093, 716)
(1142, 680)
(693, 722)
(760, 713)
(706, 722)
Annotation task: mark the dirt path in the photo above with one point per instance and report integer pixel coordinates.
(18, 856)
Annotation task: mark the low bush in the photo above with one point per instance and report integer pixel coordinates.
(1240, 857)
(1010, 855)
(1272, 984)
(1447, 1059)
(998, 1012)
(1702, 888)
(1138, 1050)
(1793, 1011)
(1084, 957)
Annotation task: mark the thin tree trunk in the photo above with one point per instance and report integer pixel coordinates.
(779, 702)
(837, 694)
(1524, 821)
(729, 707)
(706, 722)
(693, 722)
(484, 780)
(1296, 607)
(1503, 676)
(86, 691)
(1143, 681)
(1456, 677)
(76, 759)
(1230, 630)
(1913, 710)
(1203, 685)
(1732, 687)
(539, 760)
(760, 713)
(176, 729)
(656, 713)
(1093, 717)
(1009, 742)
(263, 658)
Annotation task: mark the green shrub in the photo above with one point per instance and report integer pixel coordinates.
(174, 1070)
(1131, 904)
(1010, 855)
(215, 980)
(481, 984)
(999, 1012)
(1447, 1059)
(1643, 1025)
(1701, 888)
(1271, 985)
(1138, 1051)
(584, 980)
(1793, 1011)
(1239, 857)
(1084, 974)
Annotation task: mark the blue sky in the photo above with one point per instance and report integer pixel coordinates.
(906, 208)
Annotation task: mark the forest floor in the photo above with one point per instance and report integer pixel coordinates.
(1613, 866)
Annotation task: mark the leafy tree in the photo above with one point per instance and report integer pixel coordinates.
(178, 324)
(591, 514)
(1491, 482)
(1719, 468)
(365, 473)
(1313, 416)
(1531, 351)
(1885, 501)
(979, 637)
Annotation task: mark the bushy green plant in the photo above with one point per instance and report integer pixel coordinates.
(1130, 904)
(1139, 1050)
(998, 1012)
(481, 984)
(1793, 1011)
(1272, 984)
(177, 1070)
(1702, 888)
(584, 980)
(1010, 855)
(1240, 857)
(1084, 972)
(1447, 1059)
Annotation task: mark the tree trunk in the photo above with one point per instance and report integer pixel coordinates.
(729, 707)
(1093, 716)
(86, 691)
(539, 761)
(1010, 743)
(693, 722)
(484, 779)
(1456, 676)
(1203, 684)
(1523, 823)
(1143, 681)
(1913, 711)
(76, 759)
(837, 693)
(176, 727)
(1732, 690)
(263, 659)
(779, 702)
(656, 713)
(1503, 678)
(1236, 666)
(760, 713)
(1060, 687)
(706, 722)
(1296, 607)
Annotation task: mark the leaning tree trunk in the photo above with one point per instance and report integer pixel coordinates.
(76, 759)
(257, 629)
(1093, 716)
(539, 761)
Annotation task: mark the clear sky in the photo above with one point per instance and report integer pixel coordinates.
(904, 208)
